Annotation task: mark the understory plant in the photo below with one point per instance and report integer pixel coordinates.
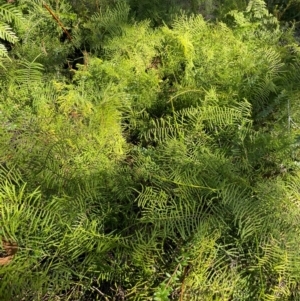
(149, 163)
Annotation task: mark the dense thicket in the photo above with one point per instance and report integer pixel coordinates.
(149, 160)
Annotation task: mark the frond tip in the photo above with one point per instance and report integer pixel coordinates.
(8, 14)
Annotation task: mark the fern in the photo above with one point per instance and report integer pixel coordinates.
(111, 22)
(62, 230)
(7, 34)
(152, 163)
(8, 14)
(11, 14)
(29, 72)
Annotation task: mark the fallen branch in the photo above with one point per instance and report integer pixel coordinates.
(58, 21)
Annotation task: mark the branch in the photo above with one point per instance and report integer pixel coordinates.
(58, 21)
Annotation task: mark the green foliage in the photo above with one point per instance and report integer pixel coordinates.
(149, 163)
(50, 238)
(9, 16)
(108, 23)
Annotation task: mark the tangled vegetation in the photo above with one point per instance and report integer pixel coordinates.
(149, 150)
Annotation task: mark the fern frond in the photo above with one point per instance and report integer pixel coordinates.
(244, 208)
(11, 14)
(160, 130)
(3, 52)
(29, 72)
(111, 22)
(258, 8)
(170, 217)
(112, 19)
(7, 34)
(8, 14)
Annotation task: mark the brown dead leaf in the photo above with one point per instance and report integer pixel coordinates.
(10, 248)
(6, 260)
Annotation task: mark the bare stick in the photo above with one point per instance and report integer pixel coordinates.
(57, 20)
